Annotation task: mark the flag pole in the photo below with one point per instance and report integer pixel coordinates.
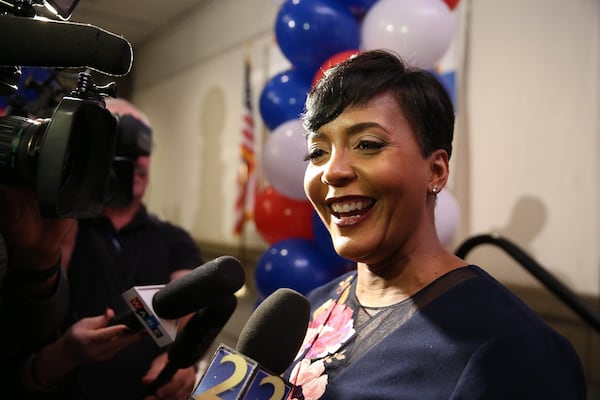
(246, 179)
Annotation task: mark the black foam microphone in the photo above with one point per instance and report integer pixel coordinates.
(267, 346)
(47, 43)
(275, 331)
(204, 284)
(155, 307)
(194, 339)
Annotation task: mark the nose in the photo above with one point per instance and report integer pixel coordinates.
(338, 170)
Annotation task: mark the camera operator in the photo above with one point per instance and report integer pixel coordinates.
(35, 299)
(125, 247)
(102, 257)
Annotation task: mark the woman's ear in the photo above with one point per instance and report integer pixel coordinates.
(439, 170)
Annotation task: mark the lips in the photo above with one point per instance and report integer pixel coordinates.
(349, 212)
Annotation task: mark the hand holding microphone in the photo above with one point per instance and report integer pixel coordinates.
(194, 339)
(208, 292)
(155, 307)
(87, 341)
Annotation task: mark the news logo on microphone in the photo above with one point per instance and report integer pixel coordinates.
(233, 376)
(139, 300)
(266, 347)
(159, 307)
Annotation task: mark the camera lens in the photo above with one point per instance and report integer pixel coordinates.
(65, 159)
(75, 159)
(20, 140)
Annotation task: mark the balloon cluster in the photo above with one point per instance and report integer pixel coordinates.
(315, 35)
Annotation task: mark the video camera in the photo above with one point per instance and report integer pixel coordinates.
(78, 159)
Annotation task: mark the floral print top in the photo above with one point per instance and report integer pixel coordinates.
(339, 332)
(330, 327)
(463, 336)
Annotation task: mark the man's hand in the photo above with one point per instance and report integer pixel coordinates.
(86, 341)
(178, 388)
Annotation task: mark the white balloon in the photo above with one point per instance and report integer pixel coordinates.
(283, 159)
(447, 216)
(420, 31)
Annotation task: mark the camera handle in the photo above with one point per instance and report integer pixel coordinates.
(88, 90)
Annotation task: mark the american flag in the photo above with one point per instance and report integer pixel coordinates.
(247, 180)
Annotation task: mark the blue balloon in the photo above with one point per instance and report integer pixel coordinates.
(292, 263)
(309, 32)
(283, 97)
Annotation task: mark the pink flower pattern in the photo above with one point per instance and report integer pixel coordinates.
(331, 326)
(327, 337)
(311, 378)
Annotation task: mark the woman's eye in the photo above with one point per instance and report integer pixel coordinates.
(369, 145)
(314, 154)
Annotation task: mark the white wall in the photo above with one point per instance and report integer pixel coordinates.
(526, 163)
(533, 103)
(190, 82)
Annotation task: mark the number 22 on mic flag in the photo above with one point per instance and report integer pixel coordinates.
(233, 376)
(247, 180)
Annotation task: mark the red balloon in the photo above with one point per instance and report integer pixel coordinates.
(278, 217)
(451, 3)
(332, 61)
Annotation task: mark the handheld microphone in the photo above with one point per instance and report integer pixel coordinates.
(267, 346)
(194, 339)
(156, 307)
(184, 295)
(47, 43)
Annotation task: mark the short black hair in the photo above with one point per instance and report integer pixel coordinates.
(355, 81)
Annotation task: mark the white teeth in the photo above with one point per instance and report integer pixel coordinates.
(348, 207)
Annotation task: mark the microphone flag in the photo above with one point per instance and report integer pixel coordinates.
(234, 376)
(139, 300)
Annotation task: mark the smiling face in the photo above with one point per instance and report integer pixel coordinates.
(370, 183)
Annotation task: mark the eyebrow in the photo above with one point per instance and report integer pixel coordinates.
(351, 130)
